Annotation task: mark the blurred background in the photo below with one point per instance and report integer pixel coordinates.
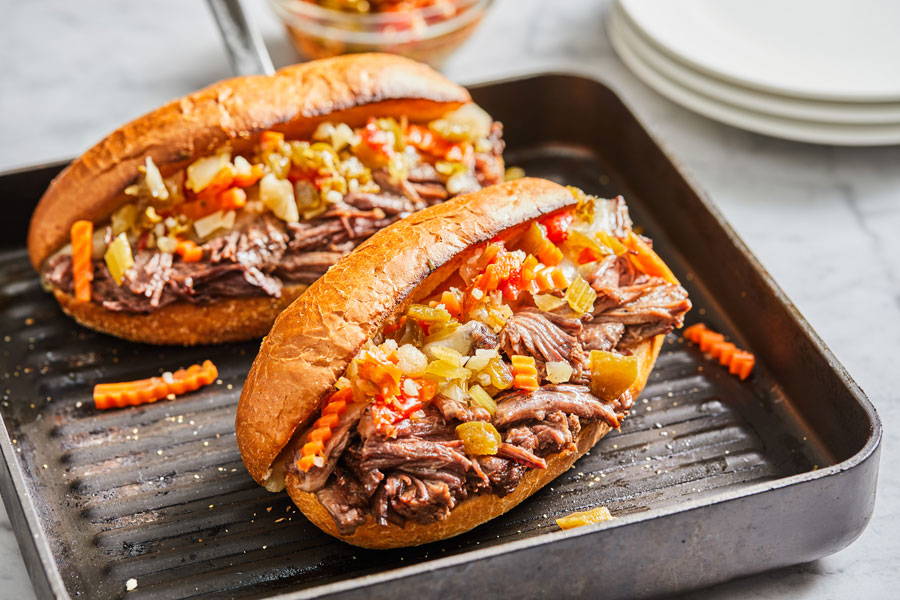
(821, 217)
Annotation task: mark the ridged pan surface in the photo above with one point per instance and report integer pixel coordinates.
(157, 494)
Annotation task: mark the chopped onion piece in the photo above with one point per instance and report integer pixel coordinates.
(410, 387)
(481, 359)
(118, 257)
(340, 135)
(166, 244)
(242, 166)
(212, 223)
(459, 340)
(454, 391)
(155, 183)
(278, 196)
(411, 360)
(202, 171)
(98, 242)
(558, 371)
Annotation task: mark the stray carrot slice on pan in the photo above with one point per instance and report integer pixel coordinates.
(692, 333)
(739, 362)
(708, 339)
(722, 349)
(144, 391)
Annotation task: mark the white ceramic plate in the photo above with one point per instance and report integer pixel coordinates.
(751, 98)
(792, 129)
(845, 50)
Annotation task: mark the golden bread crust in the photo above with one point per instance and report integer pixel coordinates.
(294, 100)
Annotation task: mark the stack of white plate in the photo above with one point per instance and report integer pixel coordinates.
(823, 71)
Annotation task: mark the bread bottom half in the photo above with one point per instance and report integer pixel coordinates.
(183, 323)
(474, 510)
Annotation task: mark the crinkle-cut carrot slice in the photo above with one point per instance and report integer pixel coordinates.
(708, 338)
(142, 391)
(692, 333)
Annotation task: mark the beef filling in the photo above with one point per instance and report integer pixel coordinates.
(421, 474)
(259, 257)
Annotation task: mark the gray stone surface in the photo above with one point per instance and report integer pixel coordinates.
(823, 220)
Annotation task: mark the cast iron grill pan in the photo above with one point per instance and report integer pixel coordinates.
(158, 493)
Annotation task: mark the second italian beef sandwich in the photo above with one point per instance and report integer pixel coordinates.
(200, 221)
(456, 362)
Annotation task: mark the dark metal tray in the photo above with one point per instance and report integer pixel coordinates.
(709, 478)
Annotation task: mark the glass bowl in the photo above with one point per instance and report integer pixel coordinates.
(427, 34)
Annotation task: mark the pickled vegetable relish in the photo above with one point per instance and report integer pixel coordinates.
(439, 345)
(293, 180)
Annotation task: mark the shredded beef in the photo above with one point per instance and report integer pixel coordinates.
(427, 424)
(403, 496)
(658, 308)
(306, 267)
(517, 453)
(422, 472)
(545, 336)
(518, 406)
(556, 433)
(388, 203)
(489, 167)
(456, 410)
(345, 501)
(351, 460)
(435, 192)
(307, 235)
(601, 336)
(411, 453)
(402, 188)
(504, 474)
(483, 337)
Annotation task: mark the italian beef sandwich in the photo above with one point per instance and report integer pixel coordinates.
(200, 221)
(456, 362)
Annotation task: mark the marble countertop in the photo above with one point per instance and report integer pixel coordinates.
(823, 220)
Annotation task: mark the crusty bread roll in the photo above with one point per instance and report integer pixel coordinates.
(315, 338)
(295, 100)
